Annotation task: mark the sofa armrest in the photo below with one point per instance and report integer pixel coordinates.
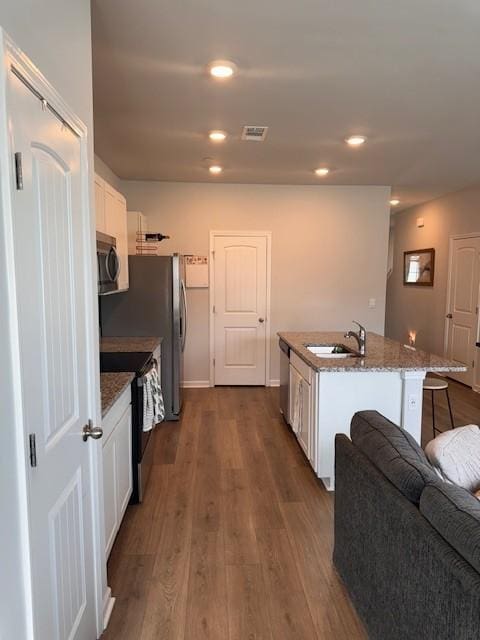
(404, 579)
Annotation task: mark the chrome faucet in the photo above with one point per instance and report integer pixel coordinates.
(360, 337)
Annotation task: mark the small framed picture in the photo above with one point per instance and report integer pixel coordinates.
(419, 267)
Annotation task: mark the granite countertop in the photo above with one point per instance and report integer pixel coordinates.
(129, 344)
(112, 385)
(382, 354)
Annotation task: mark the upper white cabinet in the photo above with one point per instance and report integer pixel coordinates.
(111, 218)
(137, 224)
(100, 204)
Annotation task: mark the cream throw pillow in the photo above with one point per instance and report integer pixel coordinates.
(455, 456)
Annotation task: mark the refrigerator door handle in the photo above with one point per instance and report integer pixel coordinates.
(185, 314)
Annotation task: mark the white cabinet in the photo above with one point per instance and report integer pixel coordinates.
(110, 494)
(100, 204)
(300, 404)
(117, 465)
(111, 218)
(136, 224)
(303, 405)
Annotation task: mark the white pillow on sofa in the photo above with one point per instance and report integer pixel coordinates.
(455, 456)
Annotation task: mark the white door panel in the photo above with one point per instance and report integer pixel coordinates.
(49, 220)
(462, 327)
(240, 300)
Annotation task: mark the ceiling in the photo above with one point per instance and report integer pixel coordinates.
(402, 72)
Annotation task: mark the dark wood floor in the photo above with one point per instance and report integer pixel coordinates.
(234, 539)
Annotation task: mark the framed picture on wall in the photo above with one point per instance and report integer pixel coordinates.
(419, 267)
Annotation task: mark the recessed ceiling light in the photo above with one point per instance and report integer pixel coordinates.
(322, 171)
(394, 202)
(215, 169)
(356, 141)
(217, 136)
(222, 69)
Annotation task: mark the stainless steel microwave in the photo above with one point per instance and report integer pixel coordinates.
(108, 264)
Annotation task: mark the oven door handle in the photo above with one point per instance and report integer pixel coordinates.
(142, 379)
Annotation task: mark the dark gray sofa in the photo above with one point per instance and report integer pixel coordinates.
(407, 545)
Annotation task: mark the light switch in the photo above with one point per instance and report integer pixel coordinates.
(372, 303)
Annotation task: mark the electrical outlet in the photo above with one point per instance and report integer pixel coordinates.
(372, 303)
(412, 402)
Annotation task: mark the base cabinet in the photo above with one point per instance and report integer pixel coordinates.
(117, 466)
(300, 408)
(302, 387)
(110, 494)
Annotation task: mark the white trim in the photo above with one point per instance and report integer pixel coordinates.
(211, 292)
(196, 384)
(10, 346)
(108, 604)
(274, 383)
(460, 236)
(12, 56)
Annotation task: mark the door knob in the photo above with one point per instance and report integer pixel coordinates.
(449, 316)
(261, 319)
(89, 431)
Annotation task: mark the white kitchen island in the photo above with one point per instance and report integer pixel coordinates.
(325, 392)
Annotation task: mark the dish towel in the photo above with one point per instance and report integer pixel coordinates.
(153, 407)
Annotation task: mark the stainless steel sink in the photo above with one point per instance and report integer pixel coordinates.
(331, 351)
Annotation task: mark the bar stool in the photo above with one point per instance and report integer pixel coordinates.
(438, 384)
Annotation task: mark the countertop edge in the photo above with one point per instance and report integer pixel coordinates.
(336, 368)
(127, 344)
(122, 380)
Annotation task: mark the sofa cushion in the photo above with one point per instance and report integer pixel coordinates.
(455, 455)
(455, 514)
(393, 451)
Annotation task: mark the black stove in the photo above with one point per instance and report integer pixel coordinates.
(142, 442)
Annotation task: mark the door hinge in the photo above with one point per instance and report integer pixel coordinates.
(214, 362)
(18, 171)
(33, 450)
(213, 309)
(473, 364)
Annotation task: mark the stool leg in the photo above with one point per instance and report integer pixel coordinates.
(450, 409)
(433, 415)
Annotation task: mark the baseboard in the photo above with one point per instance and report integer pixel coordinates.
(204, 384)
(108, 604)
(195, 384)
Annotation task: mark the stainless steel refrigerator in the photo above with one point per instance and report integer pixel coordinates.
(154, 305)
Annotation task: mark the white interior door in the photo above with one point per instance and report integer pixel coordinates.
(462, 318)
(240, 307)
(51, 224)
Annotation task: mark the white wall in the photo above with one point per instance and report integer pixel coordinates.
(423, 309)
(329, 250)
(55, 34)
(104, 171)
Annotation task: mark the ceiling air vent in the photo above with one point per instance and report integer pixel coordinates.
(254, 133)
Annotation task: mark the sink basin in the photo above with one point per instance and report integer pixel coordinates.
(331, 351)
